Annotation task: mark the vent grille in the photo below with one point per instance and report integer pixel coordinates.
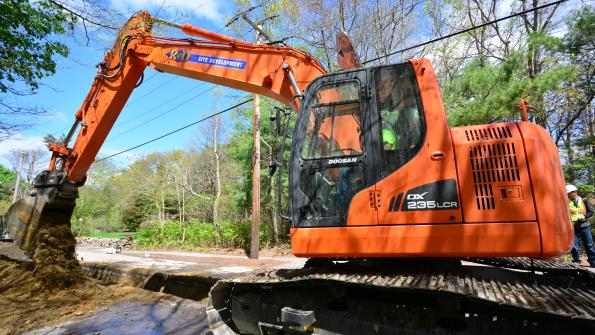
(493, 133)
(492, 163)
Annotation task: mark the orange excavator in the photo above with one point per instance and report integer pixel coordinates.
(409, 226)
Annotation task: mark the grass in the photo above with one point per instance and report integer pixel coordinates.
(119, 235)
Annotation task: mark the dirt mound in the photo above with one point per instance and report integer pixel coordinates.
(56, 266)
(24, 306)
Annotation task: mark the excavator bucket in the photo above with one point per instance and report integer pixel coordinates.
(22, 221)
(50, 205)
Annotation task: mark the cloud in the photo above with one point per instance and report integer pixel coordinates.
(58, 117)
(20, 142)
(207, 9)
(121, 160)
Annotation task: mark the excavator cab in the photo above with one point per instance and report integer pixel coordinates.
(355, 128)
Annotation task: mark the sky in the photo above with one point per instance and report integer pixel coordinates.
(151, 109)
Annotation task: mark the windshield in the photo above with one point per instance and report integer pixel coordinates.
(334, 128)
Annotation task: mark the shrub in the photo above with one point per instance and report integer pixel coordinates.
(225, 234)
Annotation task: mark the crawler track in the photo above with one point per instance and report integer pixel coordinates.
(514, 296)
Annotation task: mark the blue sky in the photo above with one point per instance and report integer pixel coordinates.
(64, 92)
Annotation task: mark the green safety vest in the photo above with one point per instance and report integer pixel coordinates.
(576, 209)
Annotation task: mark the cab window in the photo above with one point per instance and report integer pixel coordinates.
(402, 125)
(334, 125)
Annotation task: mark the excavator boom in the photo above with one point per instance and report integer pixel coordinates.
(278, 72)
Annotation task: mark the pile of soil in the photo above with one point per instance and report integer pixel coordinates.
(26, 306)
(56, 266)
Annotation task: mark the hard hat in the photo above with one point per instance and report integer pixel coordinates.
(389, 137)
(571, 188)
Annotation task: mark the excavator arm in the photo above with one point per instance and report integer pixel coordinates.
(278, 72)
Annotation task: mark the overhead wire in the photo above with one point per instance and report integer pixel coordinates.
(466, 30)
(235, 18)
(176, 130)
(158, 106)
(161, 114)
(229, 22)
(57, 134)
(151, 91)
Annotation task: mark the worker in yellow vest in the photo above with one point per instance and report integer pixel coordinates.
(580, 211)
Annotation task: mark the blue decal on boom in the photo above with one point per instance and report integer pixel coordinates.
(183, 56)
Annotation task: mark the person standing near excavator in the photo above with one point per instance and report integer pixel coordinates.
(580, 212)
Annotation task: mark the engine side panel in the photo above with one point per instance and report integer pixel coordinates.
(492, 172)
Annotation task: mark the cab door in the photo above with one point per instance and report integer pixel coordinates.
(418, 180)
(331, 158)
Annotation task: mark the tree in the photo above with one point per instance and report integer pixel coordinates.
(33, 163)
(27, 55)
(578, 47)
(375, 28)
(7, 179)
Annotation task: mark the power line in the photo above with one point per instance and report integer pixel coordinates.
(161, 114)
(151, 77)
(467, 30)
(177, 130)
(151, 91)
(129, 103)
(238, 15)
(158, 106)
(232, 20)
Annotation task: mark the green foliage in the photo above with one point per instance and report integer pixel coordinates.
(195, 235)
(581, 32)
(7, 179)
(101, 202)
(586, 190)
(95, 225)
(485, 92)
(577, 47)
(25, 30)
(141, 207)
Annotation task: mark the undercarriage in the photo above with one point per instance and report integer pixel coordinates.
(479, 296)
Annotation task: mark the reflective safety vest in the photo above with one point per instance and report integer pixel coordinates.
(578, 211)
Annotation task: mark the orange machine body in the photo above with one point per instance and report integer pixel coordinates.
(510, 196)
(509, 193)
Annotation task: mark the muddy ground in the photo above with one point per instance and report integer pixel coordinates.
(26, 305)
(50, 289)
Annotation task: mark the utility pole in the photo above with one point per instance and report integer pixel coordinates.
(255, 242)
(255, 239)
(15, 196)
